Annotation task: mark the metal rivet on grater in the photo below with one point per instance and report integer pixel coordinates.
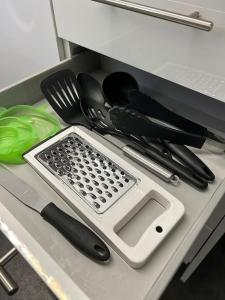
(86, 171)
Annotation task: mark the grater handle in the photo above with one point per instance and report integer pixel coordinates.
(78, 234)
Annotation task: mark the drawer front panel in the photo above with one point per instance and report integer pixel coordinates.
(185, 55)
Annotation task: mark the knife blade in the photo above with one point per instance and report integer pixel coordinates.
(75, 232)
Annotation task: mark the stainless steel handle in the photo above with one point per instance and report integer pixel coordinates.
(192, 20)
(7, 282)
(8, 256)
(151, 165)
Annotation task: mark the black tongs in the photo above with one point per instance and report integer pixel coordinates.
(134, 123)
(190, 133)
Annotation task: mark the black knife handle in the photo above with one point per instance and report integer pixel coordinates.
(191, 160)
(77, 234)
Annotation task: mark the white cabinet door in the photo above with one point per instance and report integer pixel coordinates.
(185, 55)
(28, 39)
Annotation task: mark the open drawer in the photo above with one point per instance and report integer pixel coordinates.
(68, 273)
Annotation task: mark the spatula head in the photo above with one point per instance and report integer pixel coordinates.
(62, 92)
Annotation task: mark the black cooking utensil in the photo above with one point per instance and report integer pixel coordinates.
(62, 92)
(132, 122)
(116, 87)
(183, 172)
(187, 157)
(148, 106)
(94, 105)
(169, 163)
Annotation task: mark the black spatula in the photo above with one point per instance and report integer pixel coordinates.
(62, 92)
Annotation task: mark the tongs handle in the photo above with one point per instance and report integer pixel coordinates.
(183, 172)
(132, 122)
(149, 106)
(191, 160)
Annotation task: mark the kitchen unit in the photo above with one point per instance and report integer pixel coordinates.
(174, 62)
(28, 36)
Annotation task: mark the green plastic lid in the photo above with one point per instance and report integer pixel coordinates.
(43, 123)
(21, 127)
(16, 137)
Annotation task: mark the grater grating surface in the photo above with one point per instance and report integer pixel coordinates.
(86, 171)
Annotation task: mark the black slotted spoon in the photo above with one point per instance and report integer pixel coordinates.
(62, 92)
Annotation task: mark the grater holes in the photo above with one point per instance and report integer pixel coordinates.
(77, 159)
(120, 184)
(115, 190)
(92, 196)
(96, 204)
(67, 168)
(79, 184)
(110, 181)
(108, 194)
(89, 187)
(80, 166)
(97, 171)
(105, 186)
(83, 172)
(83, 193)
(101, 178)
(102, 199)
(99, 191)
(88, 172)
(106, 173)
(60, 172)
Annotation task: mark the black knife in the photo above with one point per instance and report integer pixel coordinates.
(76, 233)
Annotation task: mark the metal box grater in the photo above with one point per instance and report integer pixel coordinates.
(93, 176)
(106, 190)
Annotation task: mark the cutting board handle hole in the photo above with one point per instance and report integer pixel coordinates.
(159, 229)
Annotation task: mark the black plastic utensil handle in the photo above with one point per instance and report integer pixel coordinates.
(191, 160)
(78, 234)
(180, 170)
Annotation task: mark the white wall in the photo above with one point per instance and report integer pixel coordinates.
(27, 39)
